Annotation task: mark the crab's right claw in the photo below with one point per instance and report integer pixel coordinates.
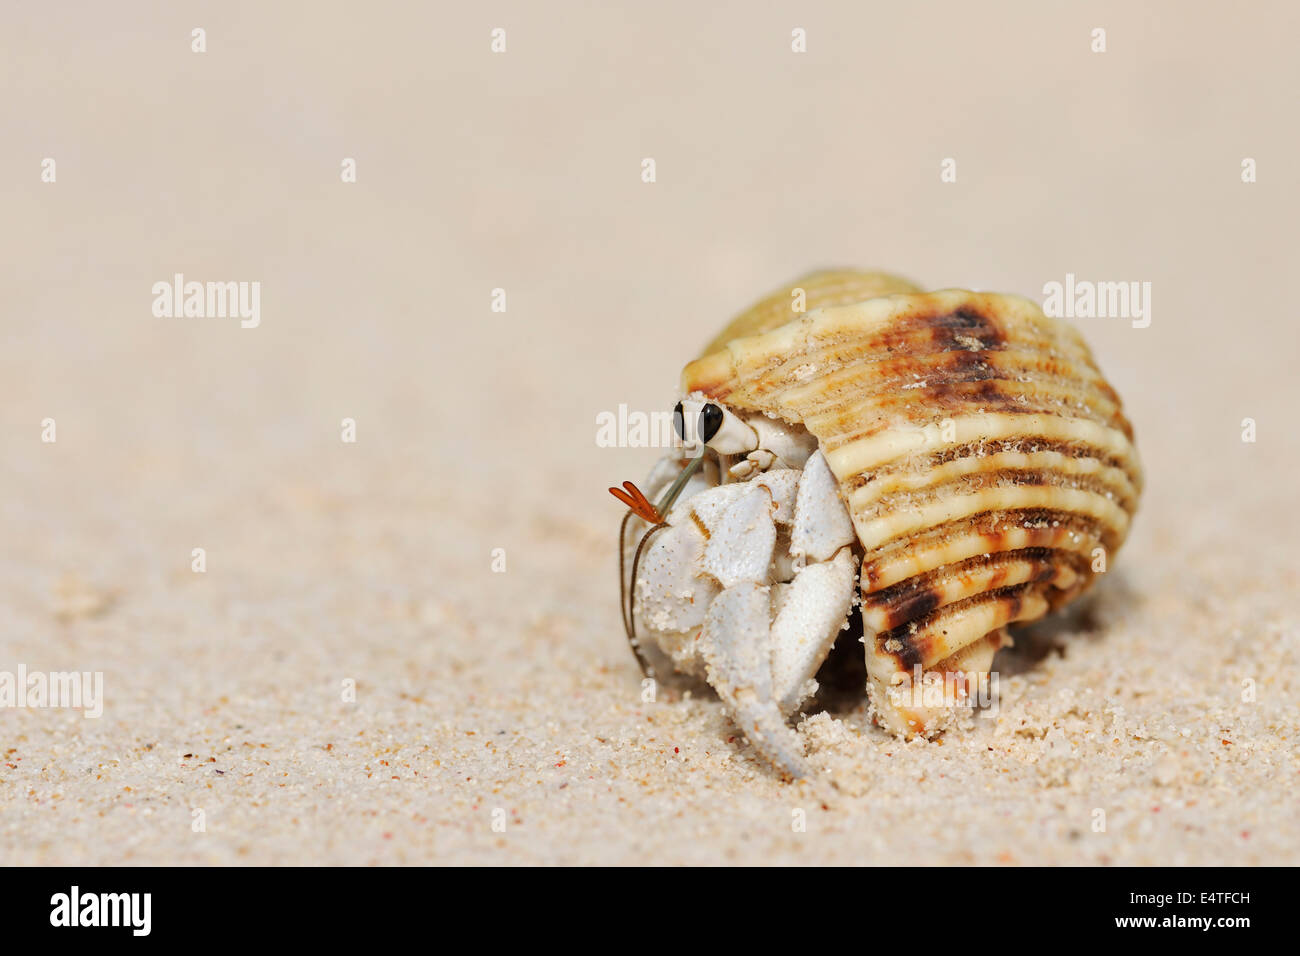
(740, 670)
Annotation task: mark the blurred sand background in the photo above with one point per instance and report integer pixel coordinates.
(514, 692)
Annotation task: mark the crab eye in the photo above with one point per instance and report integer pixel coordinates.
(679, 421)
(710, 422)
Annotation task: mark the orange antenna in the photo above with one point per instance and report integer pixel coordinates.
(638, 502)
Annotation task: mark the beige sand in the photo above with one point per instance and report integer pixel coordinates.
(479, 692)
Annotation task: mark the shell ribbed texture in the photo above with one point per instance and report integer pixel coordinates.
(982, 455)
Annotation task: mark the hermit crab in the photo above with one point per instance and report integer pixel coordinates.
(934, 465)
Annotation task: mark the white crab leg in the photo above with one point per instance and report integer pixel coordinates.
(811, 612)
(670, 595)
(740, 544)
(784, 486)
(708, 506)
(821, 522)
(736, 650)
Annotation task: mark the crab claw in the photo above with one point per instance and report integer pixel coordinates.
(740, 670)
(809, 614)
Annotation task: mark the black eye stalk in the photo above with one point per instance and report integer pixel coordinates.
(709, 424)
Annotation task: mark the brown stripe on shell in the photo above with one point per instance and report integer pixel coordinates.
(992, 533)
(991, 449)
(950, 399)
(944, 632)
(882, 499)
(966, 328)
(917, 597)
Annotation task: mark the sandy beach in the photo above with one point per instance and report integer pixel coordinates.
(406, 648)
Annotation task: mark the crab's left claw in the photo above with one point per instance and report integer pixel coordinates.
(809, 614)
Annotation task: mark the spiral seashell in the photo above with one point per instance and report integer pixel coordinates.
(983, 458)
